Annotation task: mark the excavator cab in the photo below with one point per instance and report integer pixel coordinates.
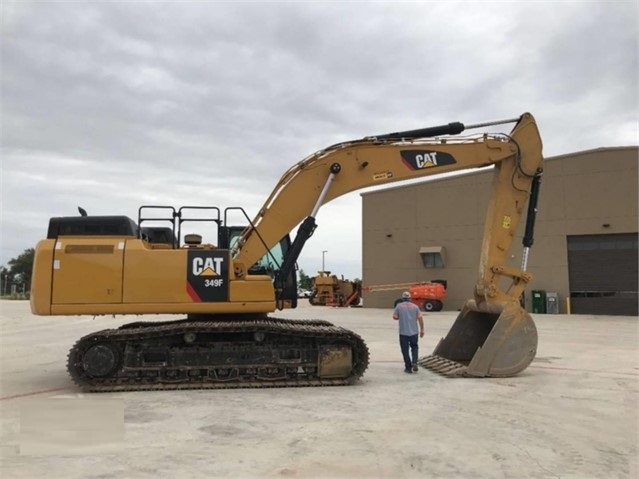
(227, 237)
(269, 264)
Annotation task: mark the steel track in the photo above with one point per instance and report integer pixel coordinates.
(312, 332)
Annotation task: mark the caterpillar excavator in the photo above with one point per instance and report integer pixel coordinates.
(112, 265)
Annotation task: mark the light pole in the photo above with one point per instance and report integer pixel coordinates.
(323, 253)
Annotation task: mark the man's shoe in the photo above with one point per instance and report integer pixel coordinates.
(415, 368)
(408, 371)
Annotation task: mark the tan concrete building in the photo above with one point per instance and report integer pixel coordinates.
(585, 247)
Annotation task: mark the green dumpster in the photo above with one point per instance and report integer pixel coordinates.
(538, 301)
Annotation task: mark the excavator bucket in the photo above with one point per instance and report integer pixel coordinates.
(496, 340)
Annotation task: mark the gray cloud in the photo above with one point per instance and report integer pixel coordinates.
(114, 104)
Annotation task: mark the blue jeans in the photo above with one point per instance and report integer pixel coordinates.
(406, 342)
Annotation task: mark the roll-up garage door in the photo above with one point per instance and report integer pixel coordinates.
(603, 272)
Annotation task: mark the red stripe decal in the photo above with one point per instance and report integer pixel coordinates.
(194, 296)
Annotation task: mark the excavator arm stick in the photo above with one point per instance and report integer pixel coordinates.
(493, 335)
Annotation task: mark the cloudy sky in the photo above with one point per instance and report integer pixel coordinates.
(111, 105)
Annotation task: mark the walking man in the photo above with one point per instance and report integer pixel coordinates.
(409, 315)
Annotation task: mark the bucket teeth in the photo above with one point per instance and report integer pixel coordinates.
(443, 366)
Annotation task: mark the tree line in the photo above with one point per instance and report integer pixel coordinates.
(18, 273)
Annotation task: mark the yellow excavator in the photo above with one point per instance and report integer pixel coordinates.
(112, 265)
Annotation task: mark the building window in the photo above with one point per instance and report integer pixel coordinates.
(433, 256)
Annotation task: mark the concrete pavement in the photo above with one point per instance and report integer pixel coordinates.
(572, 414)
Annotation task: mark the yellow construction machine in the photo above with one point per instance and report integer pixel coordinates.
(112, 265)
(329, 290)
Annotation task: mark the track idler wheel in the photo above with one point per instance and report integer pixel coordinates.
(497, 340)
(98, 361)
